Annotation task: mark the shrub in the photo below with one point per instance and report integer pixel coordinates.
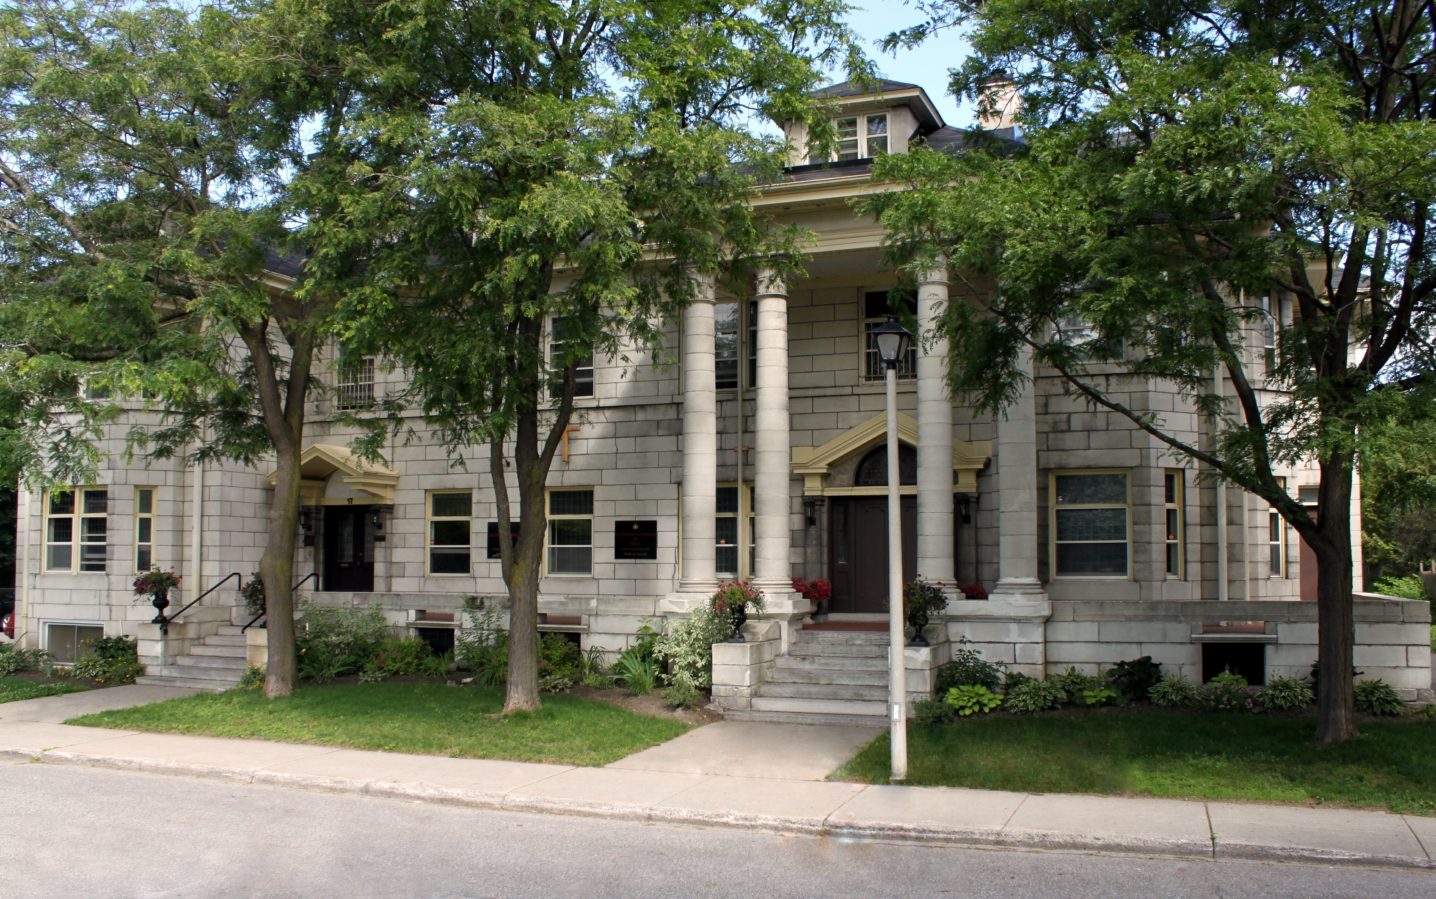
(559, 663)
(1227, 692)
(636, 671)
(1074, 683)
(251, 679)
(1034, 695)
(968, 668)
(397, 657)
(333, 642)
(932, 712)
(922, 598)
(682, 693)
(592, 671)
(1283, 694)
(482, 646)
(1409, 587)
(1174, 692)
(435, 664)
(972, 699)
(1377, 697)
(687, 648)
(110, 661)
(14, 660)
(1095, 696)
(1135, 678)
(254, 597)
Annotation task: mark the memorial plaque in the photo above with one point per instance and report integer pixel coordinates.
(635, 540)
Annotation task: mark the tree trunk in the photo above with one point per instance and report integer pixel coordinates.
(276, 569)
(1336, 633)
(523, 691)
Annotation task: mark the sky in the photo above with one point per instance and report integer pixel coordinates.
(925, 65)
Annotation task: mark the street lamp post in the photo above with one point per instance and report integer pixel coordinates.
(892, 340)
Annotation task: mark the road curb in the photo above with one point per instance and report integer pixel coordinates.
(813, 826)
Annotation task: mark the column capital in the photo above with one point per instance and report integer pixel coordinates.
(769, 283)
(935, 275)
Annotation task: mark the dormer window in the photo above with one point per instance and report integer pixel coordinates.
(858, 137)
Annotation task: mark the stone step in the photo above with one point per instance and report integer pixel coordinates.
(780, 674)
(235, 662)
(227, 650)
(847, 650)
(876, 721)
(841, 692)
(795, 706)
(861, 637)
(847, 663)
(206, 684)
(229, 630)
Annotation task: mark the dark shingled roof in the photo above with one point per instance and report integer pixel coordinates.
(856, 88)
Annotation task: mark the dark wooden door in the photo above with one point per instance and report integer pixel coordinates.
(858, 556)
(348, 548)
(1307, 560)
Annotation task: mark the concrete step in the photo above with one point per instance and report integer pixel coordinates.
(846, 650)
(869, 637)
(839, 692)
(805, 718)
(215, 679)
(237, 663)
(226, 650)
(211, 686)
(781, 674)
(847, 663)
(849, 709)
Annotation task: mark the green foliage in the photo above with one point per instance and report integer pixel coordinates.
(968, 667)
(110, 661)
(1074, 683)
(681, 692)
(1135, 678)
(253, 594)
(251, 679)
(1410, 586)
(1034, 695)
(1174, 691)
(482, 646)
(922, 599)
(593, 672)
(1377, 697)
(687, 648)
(1283, 694)
(1227, 692)
(560, 663)
(17, 690)
(1096, 696)
(932, 712)
(396, 657)
(335, 641)
(14, 659)
(972, 699)
(636, 671)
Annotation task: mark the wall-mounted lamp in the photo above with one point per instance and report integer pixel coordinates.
(812, 507)
(306, 524)
(377, 520)
(965, 502)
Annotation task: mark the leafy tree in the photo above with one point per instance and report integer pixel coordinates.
(147, 199)
(1184, 159)
(1398, 483)
(525, 162)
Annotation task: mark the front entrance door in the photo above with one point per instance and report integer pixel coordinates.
(348, 548)
(858, 556)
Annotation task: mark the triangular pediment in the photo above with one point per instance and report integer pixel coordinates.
(815, 463)
(322, 461)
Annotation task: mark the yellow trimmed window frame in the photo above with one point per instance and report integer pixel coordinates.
(1090, 523)
(448, 533)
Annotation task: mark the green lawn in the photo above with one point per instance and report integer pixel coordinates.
(427, 719)
(1174, 754)
(14, 689)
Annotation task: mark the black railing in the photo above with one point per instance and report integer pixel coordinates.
(164, 620)
(311, 576)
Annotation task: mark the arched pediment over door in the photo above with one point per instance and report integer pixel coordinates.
(321, 461)
(834, 468)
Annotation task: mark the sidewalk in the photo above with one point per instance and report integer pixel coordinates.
(717, 775)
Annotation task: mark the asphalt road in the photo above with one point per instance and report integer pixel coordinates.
(70, 831)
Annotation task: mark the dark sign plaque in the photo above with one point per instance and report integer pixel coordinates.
(635, 540)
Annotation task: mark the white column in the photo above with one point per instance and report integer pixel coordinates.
(700, 443)
(934, 435)
(772, 530)
(1017, 492)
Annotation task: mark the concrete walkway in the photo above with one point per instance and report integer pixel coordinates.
(741, 774)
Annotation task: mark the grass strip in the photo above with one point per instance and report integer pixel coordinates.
(14, 689)
(1131, 752)
(424, 719)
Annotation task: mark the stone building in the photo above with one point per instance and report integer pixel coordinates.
(755, 448)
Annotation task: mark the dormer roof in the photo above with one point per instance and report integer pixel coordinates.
(883, 90)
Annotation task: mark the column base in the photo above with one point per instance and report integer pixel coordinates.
(681, 602)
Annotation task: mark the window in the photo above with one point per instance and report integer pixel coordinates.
(1276, 539)
(728, 328)
(726, 554)
(1174, 490)
(1276, 314)
(1074, 330)
(857, 137)
(1089, 524)
(450, 513)
(144, 528)
(877, 306)
(67, 643)
(494, 551)
(76, 529)
(570, 532)
(565, 348)
(354, 381)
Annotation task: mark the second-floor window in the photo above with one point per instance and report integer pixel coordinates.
(354, 380)
(877, 306)
(730, 344)
(857, 137)
(563, 347)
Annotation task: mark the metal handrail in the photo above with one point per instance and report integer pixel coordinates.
(311, 576)
(164, 620)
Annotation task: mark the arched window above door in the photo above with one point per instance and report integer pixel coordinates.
(873, 469)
